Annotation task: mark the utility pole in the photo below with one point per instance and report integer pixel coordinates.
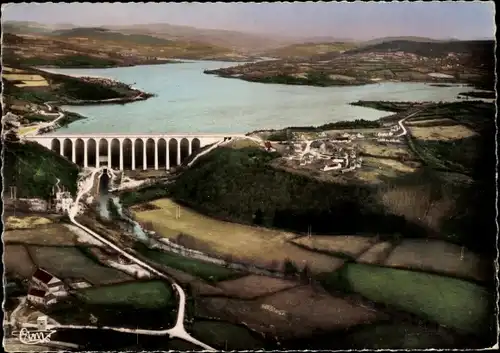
(178, 212)
(13, 192)
(309, 231)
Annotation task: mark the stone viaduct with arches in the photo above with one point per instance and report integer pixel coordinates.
(128, 151)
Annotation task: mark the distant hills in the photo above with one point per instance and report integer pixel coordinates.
(235, 41)
(429, 49)
(232, 40)
(310, 49)
(238, 41)
(406, 39)
(106, 34)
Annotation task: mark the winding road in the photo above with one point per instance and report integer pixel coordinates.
(400, 123)
(178, 331)
(43, 125)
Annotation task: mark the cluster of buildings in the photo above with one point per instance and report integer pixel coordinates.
(329, 154)
(63, 201)
(45, 288)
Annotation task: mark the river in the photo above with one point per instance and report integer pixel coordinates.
(187, 100)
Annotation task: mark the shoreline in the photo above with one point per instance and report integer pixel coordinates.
(141, 95)
(152, 63)
(293, 81)
(67, 117)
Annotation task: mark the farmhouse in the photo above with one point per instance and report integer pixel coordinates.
(47, 281)
(40, 297)
(36, 296)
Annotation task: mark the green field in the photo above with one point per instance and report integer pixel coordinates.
(71, 262)
(401, 336)
(450, 302)
(204, 270)
(225, 336)
(148, 295)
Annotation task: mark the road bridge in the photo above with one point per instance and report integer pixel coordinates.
(128, 151)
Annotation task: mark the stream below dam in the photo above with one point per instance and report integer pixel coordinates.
(110, 208)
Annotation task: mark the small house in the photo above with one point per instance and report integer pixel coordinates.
(79, 284)
(41, 323)
(36, 296)
(47, 281)
(41, 297)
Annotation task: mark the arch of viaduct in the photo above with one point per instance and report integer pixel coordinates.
(125, 152)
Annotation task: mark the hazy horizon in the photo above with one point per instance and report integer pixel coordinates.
(358, 21)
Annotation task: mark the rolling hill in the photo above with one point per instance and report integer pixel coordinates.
(304, 50)
(428, 49)
(466, 62)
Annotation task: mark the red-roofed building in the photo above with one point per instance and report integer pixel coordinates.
(47, 281)
(36, 296)
(40, 297)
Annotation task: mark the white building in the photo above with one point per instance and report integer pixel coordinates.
(332, 167)
(80, 284)
(41, 323)
(36, 296)
(35, 205)
(63, 201)
(41, 297)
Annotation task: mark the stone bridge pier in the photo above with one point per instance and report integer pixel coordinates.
(128, 152)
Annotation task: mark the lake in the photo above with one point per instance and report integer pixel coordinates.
(190, 101)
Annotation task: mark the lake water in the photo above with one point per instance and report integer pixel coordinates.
(190, 101)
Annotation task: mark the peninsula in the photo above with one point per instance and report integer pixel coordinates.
(403, 61)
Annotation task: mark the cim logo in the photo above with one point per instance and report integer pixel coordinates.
(34, 337)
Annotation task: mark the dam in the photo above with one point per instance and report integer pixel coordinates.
(128, 151)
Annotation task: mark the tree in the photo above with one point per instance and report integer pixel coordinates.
(305, 274)
(289, 268)
(258, 217)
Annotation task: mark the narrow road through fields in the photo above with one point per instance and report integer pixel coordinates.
(178, 331)
(400, 123)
